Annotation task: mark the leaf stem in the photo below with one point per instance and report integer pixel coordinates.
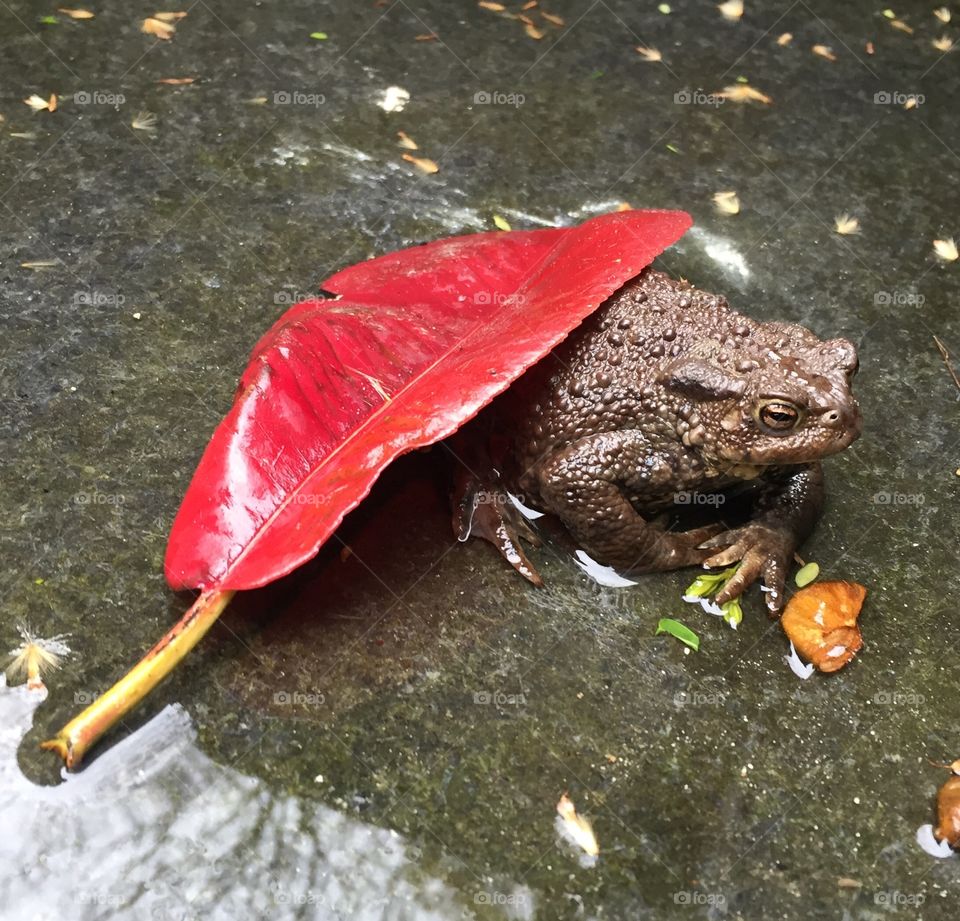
(74, 740)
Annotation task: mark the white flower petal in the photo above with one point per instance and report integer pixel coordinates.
(604, 575)
(529, 513)
(797, 666)
(929, 843)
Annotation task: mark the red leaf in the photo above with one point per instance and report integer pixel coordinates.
(419, 341)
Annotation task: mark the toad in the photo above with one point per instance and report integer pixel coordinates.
(666, 397)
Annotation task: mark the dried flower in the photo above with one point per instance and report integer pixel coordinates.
(35, 655)
(946, 249)
(39, 104)
(144, 121)
(422, 163)
(727, 202)
(577, 828)
(158, 28)
(844, 224)
(732, 9)
(743, 92)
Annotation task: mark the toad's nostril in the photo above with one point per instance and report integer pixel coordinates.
(832, 417)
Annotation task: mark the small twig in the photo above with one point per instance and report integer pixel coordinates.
(946, 360)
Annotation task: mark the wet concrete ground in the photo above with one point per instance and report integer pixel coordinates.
(417, 686)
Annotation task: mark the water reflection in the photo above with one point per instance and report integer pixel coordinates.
(153, 828)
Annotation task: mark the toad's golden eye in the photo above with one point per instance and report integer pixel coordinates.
(778, 416)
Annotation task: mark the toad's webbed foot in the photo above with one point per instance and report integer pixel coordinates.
(489, 513)
(764, 552)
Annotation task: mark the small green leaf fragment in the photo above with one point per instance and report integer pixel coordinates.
(49, 21)
(742, 79)
(732, 612)
(806, 574)
(672, 149)
(709, 583)
(678, 630)
(501, 222)
(890, 14)
(664, 8)
(319, 36)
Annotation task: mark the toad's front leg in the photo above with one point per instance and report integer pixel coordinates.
(587, 485)
(789, 504)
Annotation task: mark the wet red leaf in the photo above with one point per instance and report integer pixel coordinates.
(416, 344)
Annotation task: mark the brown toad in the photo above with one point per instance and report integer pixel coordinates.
(666, 396)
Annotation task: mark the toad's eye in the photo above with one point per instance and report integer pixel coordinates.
(778, 416)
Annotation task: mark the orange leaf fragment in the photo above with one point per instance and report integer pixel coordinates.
(177, 81)
(533, 31)
(825, 51)
(948, 809)
(406, 142)
(553, 18)
(821, 622)
(76, 14)
(169, 17)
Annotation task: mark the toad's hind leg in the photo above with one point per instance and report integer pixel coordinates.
(586, 486)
